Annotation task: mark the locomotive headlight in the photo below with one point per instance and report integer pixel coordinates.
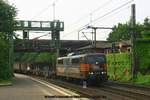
(96, 63)
(103, 72)
(91, 73)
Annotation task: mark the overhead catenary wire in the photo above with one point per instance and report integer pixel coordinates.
(126, 8)
(100, 7)
(111, 17)
(34, 38)
(46, 8)
(87, 38)
(113, 10)
(106, 14)
(55, 1)
(40, 36)
(75, 30)
(91, 13)
(43, 10)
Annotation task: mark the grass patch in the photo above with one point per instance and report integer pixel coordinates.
(142, 79)
(5, 82)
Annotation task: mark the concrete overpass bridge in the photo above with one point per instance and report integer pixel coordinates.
(45, 45)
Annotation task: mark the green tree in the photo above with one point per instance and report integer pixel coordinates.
(7, 18)
(123, 31)
(119, 32)
(146, 33)
(4, 63)
(147, 23)
(7, 24)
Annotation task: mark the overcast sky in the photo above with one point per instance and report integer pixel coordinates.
(77, 13)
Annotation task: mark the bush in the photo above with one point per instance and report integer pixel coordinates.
(143, 53)
(35, 57)
(7, 24)
(142, 79)
(122, 64)
(145, 34)
(44, 57)
(4, 61)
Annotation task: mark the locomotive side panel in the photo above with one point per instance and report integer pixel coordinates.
(91, 67)
(68, 67)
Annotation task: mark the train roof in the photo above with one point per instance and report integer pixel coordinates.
(80, 55)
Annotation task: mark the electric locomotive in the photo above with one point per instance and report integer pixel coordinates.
(89, 67)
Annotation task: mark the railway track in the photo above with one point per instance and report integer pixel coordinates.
(105, 92)
(140, 89)
(130, 93)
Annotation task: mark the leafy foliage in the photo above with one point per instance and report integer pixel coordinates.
(143, 48)
(122, 62)
(147, 23)
(143, 53)
(146, 33)
(7, 24)
(4, 64)
(29, 57)
(142, 79)
(35, 57)
(44, 57)
(7, 17)
(123, 31)
(120, 32)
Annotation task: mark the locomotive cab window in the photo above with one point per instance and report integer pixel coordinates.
(92, 59)
(66, 62)
(60, 61)
(75, 61)
(82, 60)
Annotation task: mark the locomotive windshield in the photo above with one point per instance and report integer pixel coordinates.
(93, 59)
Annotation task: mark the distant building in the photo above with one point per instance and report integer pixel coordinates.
(106, 47)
